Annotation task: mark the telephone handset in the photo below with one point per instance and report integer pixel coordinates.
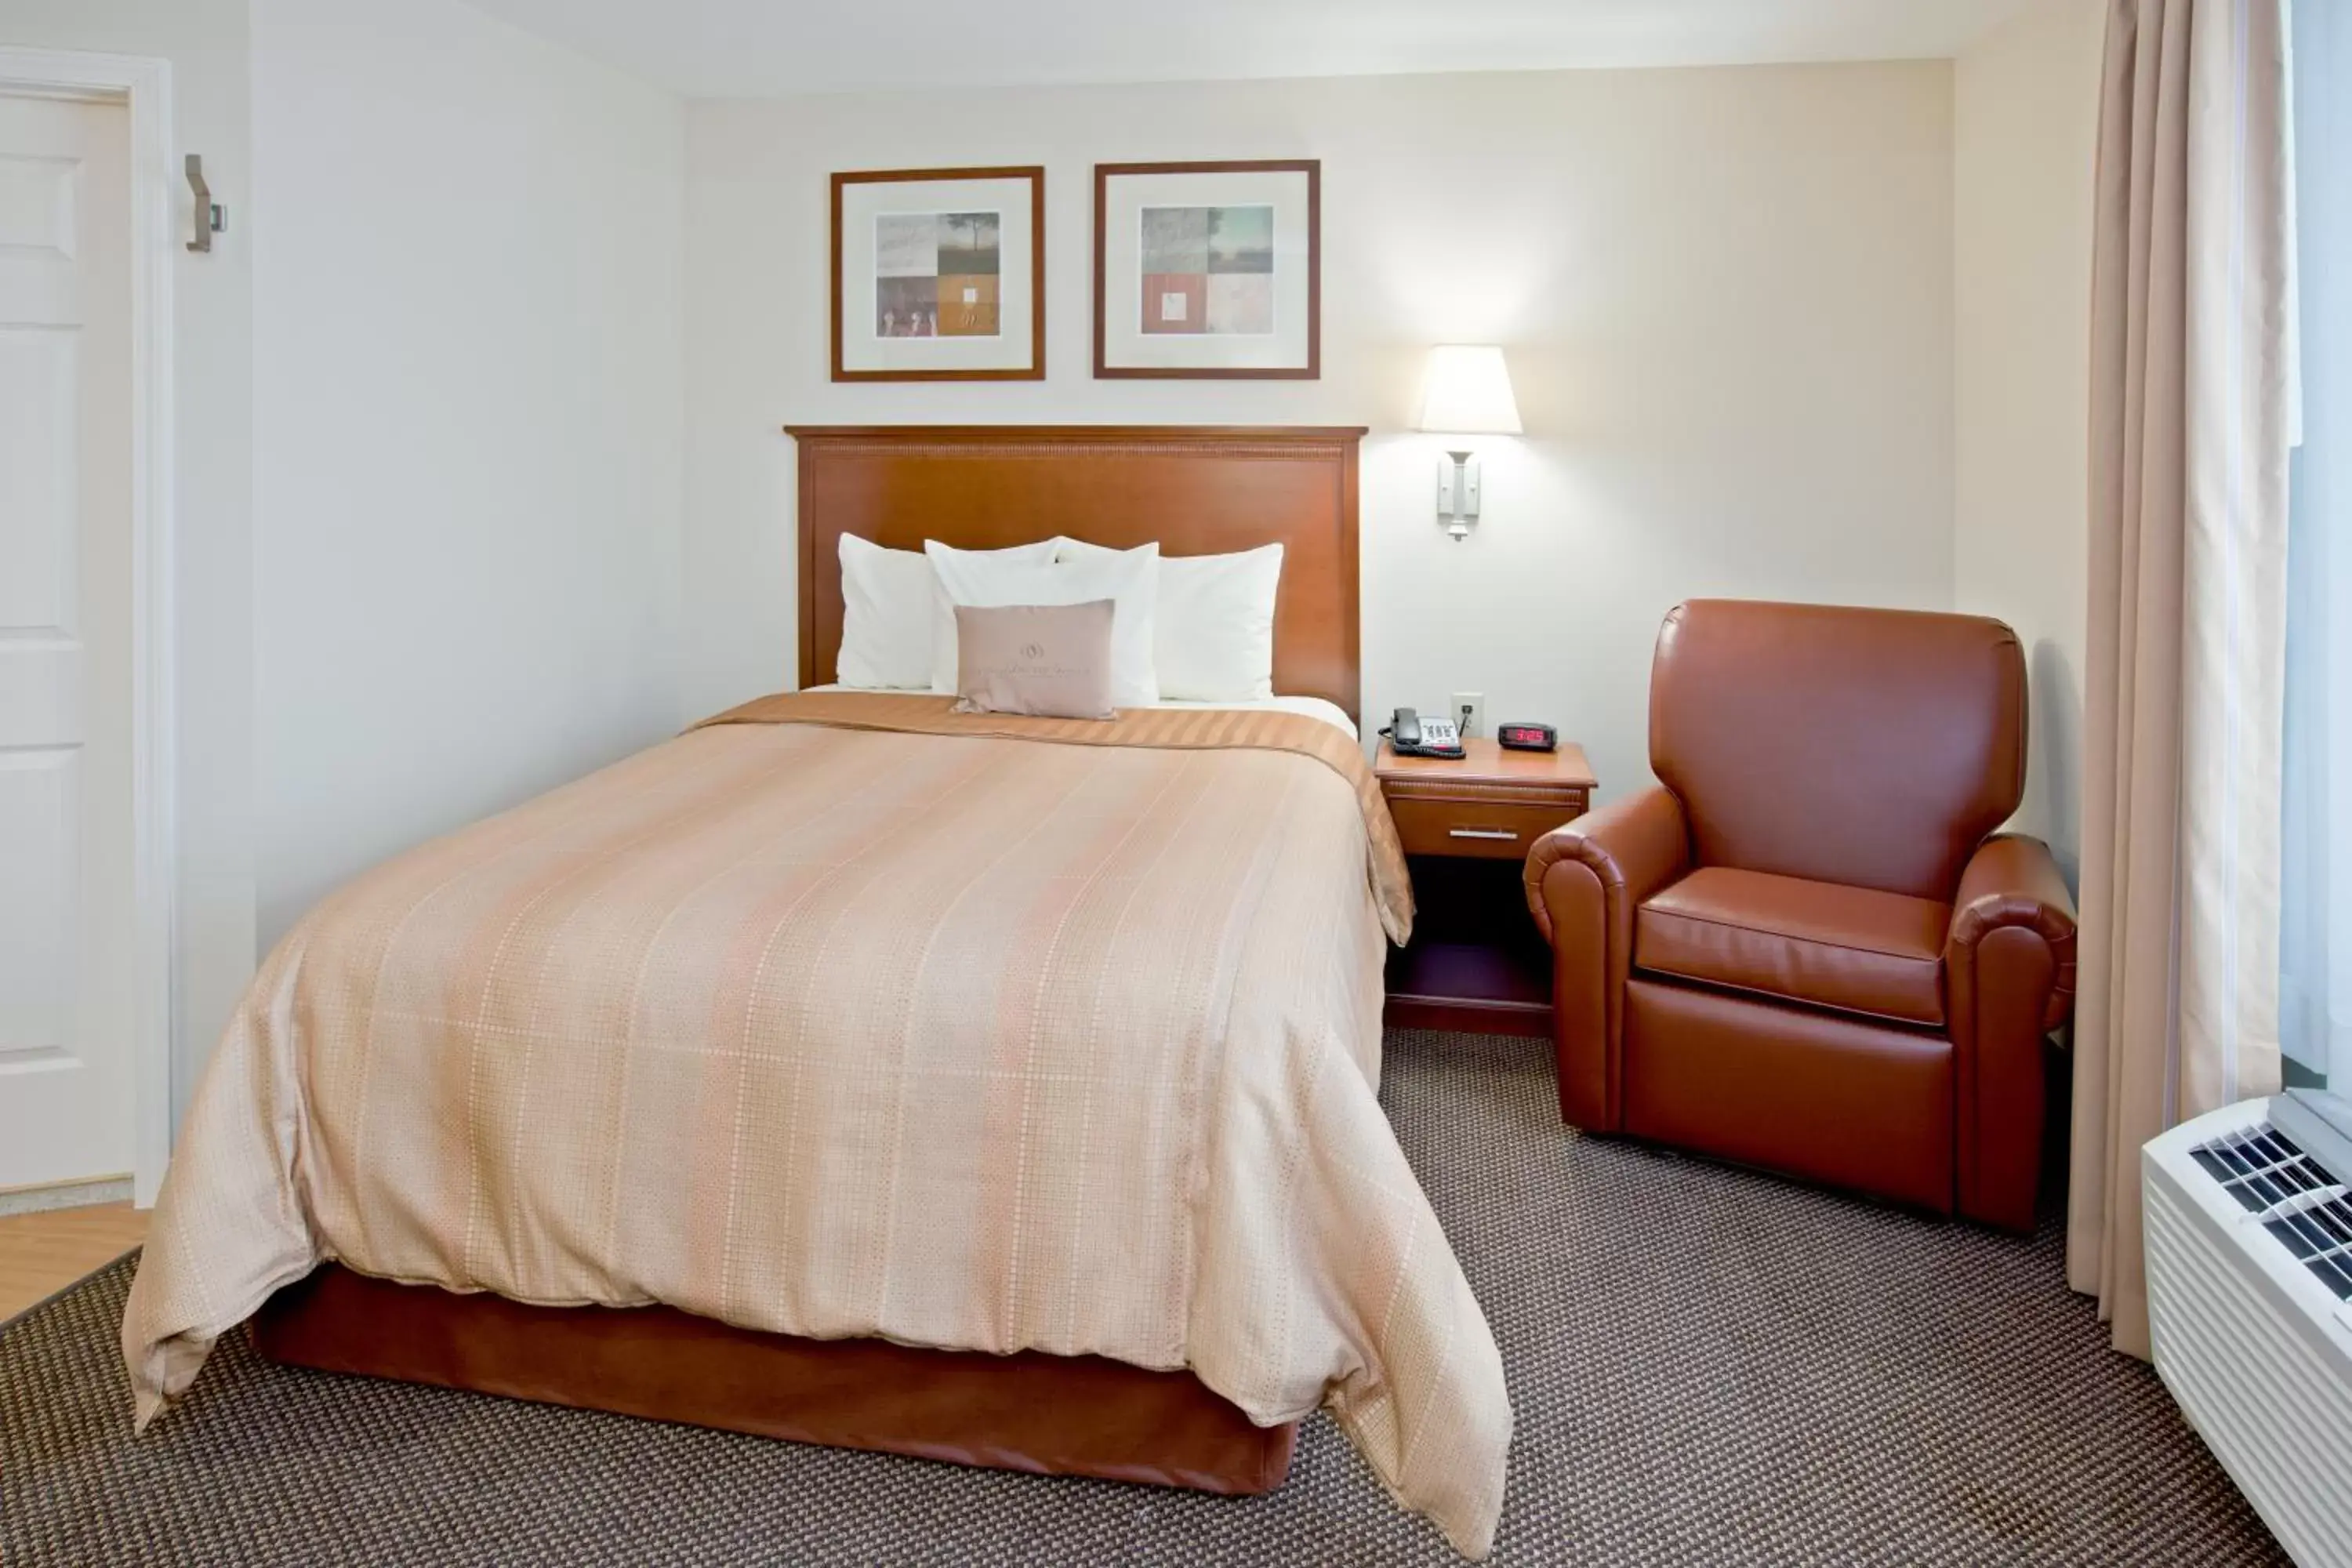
(1413, 736)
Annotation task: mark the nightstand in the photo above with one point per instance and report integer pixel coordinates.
(1476, 962)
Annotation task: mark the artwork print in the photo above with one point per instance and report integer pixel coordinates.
(1207, 270)
(936, 274)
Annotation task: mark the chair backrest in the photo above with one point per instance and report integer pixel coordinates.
(1871, 748)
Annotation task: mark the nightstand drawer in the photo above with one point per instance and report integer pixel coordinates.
(1479, 829)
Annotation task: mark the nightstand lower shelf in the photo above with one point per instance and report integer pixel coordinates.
(1477, 963)
(1470, 986)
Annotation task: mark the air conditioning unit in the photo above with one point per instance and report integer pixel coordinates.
(2249, 1304)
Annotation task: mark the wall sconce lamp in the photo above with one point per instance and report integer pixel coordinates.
(1468, 393)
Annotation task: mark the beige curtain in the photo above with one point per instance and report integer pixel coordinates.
(2191, 403)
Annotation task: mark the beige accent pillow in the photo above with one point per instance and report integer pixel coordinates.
(1053, 660)
(1130, 579)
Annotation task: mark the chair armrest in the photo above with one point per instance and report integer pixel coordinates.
(1634, 847)
(1584, 882)
(2009, 980)
(2013, 881)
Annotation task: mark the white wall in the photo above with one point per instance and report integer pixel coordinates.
(430, 432)
(206, 43)
(467, 406)
(2026, 102)
(1727, 296)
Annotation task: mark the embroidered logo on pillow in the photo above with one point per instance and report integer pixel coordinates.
(1050, 661)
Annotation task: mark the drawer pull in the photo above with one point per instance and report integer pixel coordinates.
(1504, 834)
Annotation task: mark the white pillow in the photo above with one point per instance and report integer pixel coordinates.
(886, 624)
(1213, 640)
(1128, 579)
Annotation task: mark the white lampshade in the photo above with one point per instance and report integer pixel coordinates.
(1469, 392)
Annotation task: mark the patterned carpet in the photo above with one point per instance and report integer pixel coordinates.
(1709, 1366)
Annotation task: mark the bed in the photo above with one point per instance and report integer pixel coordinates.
(851, 1070)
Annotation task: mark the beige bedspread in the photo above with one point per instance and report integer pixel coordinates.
(846, 1016)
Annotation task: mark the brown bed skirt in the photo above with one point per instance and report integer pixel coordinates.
(1082, 1415)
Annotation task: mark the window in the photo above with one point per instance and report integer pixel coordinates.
(2316, 917)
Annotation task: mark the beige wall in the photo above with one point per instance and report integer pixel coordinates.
(2025, 129)
(466, 349)
(1727, 296)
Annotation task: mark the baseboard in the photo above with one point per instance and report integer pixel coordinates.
(65, 1195)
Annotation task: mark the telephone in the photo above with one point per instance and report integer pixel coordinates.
(1414, 736)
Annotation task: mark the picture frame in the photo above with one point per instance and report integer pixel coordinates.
(1208, 270)
(938, 274)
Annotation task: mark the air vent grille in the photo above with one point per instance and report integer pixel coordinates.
(2260, 1167)
(2305, 1208)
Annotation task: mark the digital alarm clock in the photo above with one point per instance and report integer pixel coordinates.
(1527, 737)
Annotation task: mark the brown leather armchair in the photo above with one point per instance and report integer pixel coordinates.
(1802, 951)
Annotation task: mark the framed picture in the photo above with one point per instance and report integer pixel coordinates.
(938, 275)
(1209, 270)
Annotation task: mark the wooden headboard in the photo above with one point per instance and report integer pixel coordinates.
(1197, 489)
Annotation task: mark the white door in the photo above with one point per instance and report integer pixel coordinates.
(66, 887)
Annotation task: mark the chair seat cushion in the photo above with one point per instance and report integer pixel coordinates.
(1852, 949)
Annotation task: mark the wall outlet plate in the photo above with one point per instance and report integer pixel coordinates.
(1470, 712)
